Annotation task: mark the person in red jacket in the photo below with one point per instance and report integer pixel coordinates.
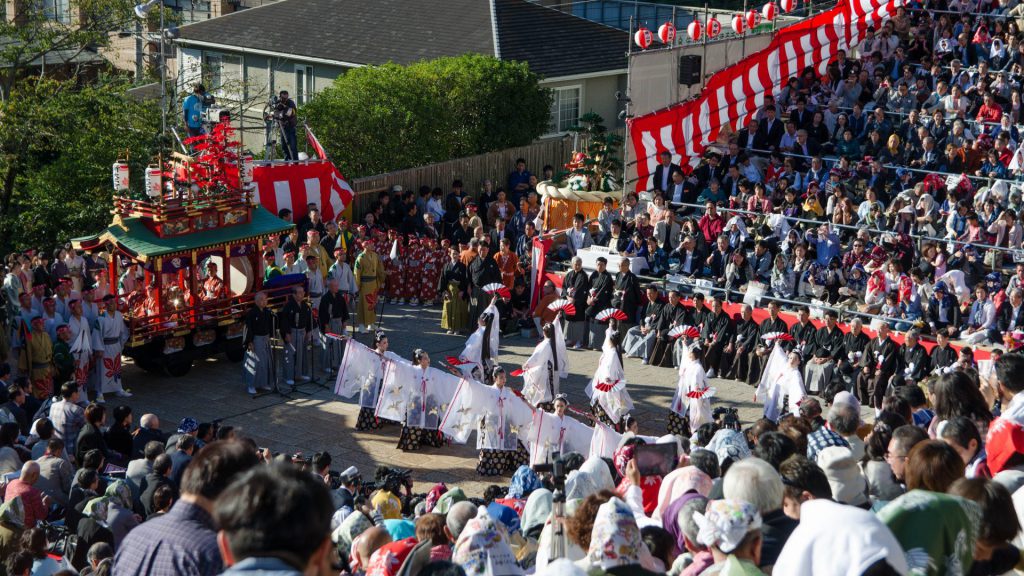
(33, 500)
(712, 223)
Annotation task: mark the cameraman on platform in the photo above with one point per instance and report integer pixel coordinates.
(194, 108)
(285, 113)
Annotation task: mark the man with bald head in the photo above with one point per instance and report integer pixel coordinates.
(148, 431)
(367, 543)
(33, 500)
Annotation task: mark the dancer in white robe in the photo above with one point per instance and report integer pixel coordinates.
(609, 399)
(544, 369)
(500, 418)
(691, 405)
(781, 380)
(362, 372)
(480, 355)
(418, 396)
(557, 433)
(109, 337)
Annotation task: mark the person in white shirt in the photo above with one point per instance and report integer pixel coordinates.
(576, 238)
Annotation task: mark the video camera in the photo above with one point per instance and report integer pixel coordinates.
(276, 108)
(208, 100)
(556, 468)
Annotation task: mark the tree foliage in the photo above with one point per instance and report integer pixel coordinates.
(384, 118)
(57, 144)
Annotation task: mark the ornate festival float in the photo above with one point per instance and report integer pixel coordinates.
(187, 250)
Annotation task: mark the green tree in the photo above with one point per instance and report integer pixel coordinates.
(390, 117)
(57, 144)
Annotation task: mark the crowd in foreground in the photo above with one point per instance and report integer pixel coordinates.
(934, 486)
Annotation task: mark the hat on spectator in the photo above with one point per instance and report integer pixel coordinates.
(726, 523)
(844, 476)
(188, 425)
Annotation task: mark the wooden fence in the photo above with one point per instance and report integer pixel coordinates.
(472, 170)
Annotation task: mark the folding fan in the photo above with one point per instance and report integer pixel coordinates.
(563, 304)
(608, 313)
(685, 330)
(781, 336)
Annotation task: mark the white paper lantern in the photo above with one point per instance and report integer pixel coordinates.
(153, 181)
(695, 30)
(667, 33)
(753, 19)
(786, 5)
(738, 24)
(768, 12)
(121, 176)
(643, 38)
(713, 27)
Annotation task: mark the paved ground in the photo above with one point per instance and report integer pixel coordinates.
(323, 421)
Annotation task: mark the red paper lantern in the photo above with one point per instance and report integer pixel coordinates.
(694, 30)
(713, 27)
(737, 24)
(667, 33)
(643, 38)
(753, 19)
(768, 12)
(786, 5)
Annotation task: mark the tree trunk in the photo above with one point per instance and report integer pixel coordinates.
(8, 189)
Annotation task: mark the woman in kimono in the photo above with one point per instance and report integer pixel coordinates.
(557, 433)
(417, 395)
(453, 289)
(609, 399)
(362, 371)
(576, 287)
(691, 406)
(500, 417)
(544, 369)
(480, 355)
(781, 380)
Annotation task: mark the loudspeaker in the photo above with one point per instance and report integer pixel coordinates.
(689, 69)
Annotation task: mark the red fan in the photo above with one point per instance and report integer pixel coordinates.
(608, 313)
(517, 372)
(780, 336)
(371, 299)
(702, 393)
(335, 336)
(563, 304)
(685, 330)
(454, 361)
(608, 386)
(499, 288)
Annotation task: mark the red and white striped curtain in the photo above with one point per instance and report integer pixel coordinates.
(732, 96)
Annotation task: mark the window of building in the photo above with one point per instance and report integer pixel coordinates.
(222, 74)
(303, 83)
(565, 108)
(57, 10)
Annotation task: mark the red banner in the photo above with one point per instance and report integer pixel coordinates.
(731, 97)
(293, 185)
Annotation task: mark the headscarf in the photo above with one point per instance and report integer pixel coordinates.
(538, 508)
(728, 443)
(483, 548)
(726, 523)
(592, 477)
(561, 567)
(400, 529)
(12, 512)
(837, 540)
(388, 559)
(679, 482)
(670, 519)
(615, 540)
(506, 515)
(524, 481)
(434, 495)
(937, 531)
(448, 499)
(97, 510)
(354, 524)
(118, 492)
(622, 456)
